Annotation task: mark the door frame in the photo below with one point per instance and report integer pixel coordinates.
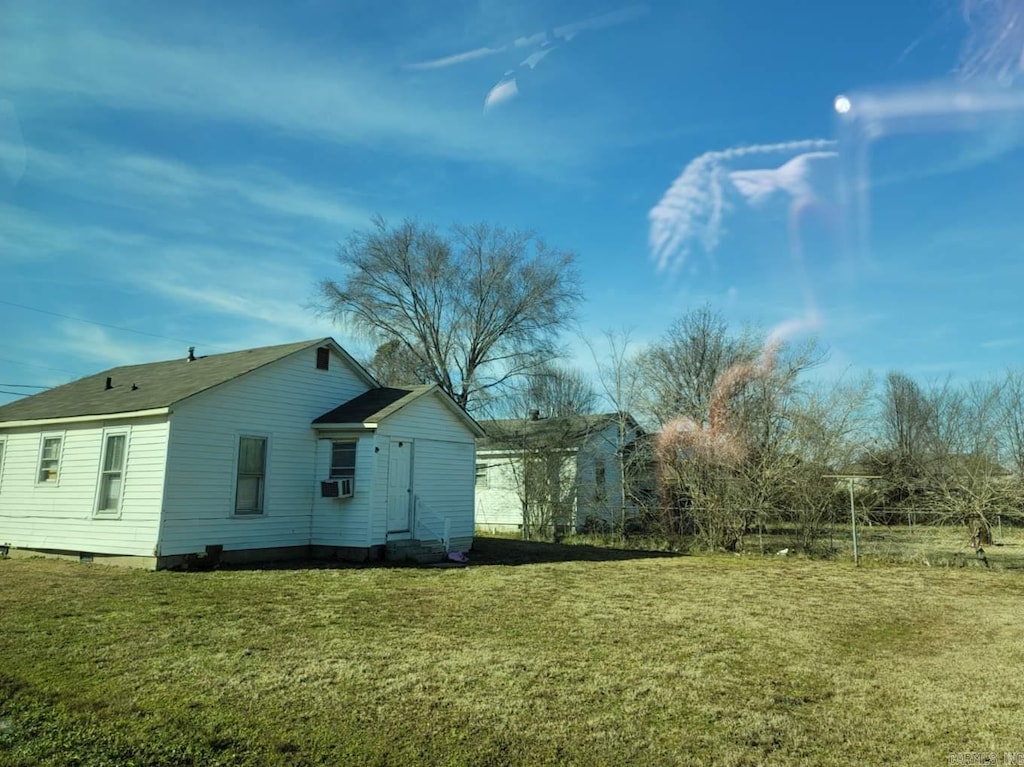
(408, 529)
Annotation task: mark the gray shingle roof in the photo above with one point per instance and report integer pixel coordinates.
(373, 405)
(564, 431)
(156, 385)
(377, 404)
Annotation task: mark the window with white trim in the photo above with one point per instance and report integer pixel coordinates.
(49, 459)
(343, 460)
(252, 475)
(482, 479)
(111, 485)
(2, 445)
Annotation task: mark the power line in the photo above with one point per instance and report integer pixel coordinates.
(42, 367)
(15, 393)
(25, 386)
(106, 325)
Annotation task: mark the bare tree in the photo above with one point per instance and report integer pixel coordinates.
(944, 449)
(966, 482)
(393, 364)
(552, 391)
(477, 307)
(829, 427)
(1012, 420)
(618, 371)
(679, 372)
(550, 421)
(722, 462)
(907, 438)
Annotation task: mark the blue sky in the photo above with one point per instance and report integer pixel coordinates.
(187, 173)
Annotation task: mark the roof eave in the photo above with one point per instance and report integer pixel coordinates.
(86, 418)
(364, 426)
(452, 406)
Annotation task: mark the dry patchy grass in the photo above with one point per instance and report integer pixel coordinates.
(683, 660)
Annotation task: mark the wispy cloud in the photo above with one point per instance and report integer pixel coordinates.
(995, 43)
(542, 44)
(798, 178)
(456, 58)
(254, 82)
(96, 171)
(1000, 343)
(99, 348)
(692, 212)
(12, 145)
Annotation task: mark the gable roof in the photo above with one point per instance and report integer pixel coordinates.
(373, 406)
(154, 385)
(560, 431)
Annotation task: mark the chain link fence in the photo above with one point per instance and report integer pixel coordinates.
(919, 536)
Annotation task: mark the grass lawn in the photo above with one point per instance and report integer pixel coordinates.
(608, 658)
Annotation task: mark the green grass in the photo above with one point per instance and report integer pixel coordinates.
(608, 659)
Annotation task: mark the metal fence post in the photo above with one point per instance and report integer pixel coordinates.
(853, 522)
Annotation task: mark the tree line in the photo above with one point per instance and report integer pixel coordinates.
(740, 433)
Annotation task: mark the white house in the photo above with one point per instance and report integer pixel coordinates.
(580, 460)
(277, 452)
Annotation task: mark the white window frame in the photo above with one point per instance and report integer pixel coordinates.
(43, 438)
(350, 475)
(262, 512)
(600, 480)
(101, 472)
(3, 454)
(482, 477)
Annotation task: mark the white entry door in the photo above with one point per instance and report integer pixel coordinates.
(399, 485)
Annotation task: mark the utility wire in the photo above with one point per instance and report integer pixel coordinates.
(106, 325)
(42, 367)
(25, 386)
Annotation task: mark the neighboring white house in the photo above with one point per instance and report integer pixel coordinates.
(276, 452)
(581, 459)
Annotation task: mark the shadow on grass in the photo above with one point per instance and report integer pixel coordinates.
(486, 551)
(510, 551)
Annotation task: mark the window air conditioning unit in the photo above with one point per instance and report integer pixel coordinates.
(336, 488)
(345, 487)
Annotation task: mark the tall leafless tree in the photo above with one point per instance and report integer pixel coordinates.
(679, 371)
(619, 376)
(478, 306)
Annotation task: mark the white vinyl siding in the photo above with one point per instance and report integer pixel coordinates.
(111, 480)
(251, 474)
(278, 401)
(62, 516)
(346, 521)
(49, 457)
(594, 469)
(443, 467)
(499, 506)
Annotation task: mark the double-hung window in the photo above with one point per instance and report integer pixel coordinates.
(112, 473)
(49, 459)
(343, 465)
(252, 475)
